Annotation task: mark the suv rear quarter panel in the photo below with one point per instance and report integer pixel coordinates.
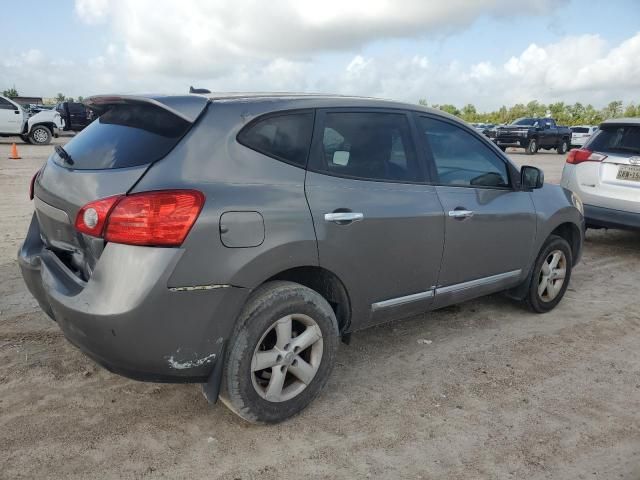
(235, 178)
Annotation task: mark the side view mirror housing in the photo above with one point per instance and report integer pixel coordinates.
(531, 177)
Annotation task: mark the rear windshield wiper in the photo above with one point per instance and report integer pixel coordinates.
(62, 153)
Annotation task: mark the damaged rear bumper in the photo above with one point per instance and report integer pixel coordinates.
(126, 318)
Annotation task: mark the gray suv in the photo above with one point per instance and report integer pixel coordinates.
(232, 240)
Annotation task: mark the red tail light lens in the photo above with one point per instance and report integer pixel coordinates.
(160, 218)
(92, 217)
(579, 155)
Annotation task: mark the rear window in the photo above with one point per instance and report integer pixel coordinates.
(614, 138)
(579, 129)
(125, 136)
(286, 137)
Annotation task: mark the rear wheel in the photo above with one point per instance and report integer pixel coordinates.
(40, 135)
(281, 353)
(551, 275)
(563, 147)
(532, 147)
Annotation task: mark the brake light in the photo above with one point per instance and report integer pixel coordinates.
(579, 155)
(159, 218)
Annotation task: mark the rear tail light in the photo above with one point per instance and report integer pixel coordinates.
(92, 217)
(579, 155)
(160, 218)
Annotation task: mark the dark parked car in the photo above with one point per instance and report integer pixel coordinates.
(76, 116)
(533, 134)
(233, 240)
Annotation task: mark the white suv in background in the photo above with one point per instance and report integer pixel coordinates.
(580, 134)
(605, 174)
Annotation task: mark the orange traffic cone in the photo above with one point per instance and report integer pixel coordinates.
(14, 153)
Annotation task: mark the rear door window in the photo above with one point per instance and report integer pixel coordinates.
(368, 146)
(616, 139)
(285, 137)
(126, 135)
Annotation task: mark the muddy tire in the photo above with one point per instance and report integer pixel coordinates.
(551, 275)
(281, 353)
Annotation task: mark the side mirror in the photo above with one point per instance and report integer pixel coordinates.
(531, 177)
(16, 111)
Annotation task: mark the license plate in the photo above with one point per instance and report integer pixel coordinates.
(628, 172)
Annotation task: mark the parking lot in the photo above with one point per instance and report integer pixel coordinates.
(480, 390)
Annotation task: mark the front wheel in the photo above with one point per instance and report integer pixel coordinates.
(563, 147)
(551, 275)
(40, 135)
(532, 147)
(281, 353)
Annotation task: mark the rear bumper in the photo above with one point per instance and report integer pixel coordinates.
(601, 217)
(125, 317)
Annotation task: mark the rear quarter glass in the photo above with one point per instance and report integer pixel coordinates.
(125, 136)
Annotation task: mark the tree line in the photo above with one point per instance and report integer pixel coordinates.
(563, 113)
(60, 97)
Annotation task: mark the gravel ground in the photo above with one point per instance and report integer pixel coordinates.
(499, 393)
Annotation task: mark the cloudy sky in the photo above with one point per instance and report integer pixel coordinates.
(486, 52)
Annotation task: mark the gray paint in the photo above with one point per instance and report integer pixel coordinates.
(165, 313)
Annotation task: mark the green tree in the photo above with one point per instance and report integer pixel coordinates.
(423, 102)
(469, 113)
(631, 111)
(10, 92)
(449, 109)
(80, 99)
(69, 99)
(613, 110)
(60, 97)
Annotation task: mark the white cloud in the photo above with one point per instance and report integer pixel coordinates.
(302, 45)
(206, 38)
(92, 11)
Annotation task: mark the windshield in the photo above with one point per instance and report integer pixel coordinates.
(614, 138)
(529, 122)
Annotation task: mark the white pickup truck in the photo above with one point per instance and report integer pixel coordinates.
(38, 129)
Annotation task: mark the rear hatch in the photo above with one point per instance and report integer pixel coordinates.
(619, 174)
(107, 158)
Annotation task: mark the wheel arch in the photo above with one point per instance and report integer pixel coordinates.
(50, 125)
(327, 284)
(570, 232)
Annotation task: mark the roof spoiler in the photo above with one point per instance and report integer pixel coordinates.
(186, 107)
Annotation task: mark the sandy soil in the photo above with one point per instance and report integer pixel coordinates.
(500, 393)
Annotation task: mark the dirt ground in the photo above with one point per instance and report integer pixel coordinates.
(500, 393)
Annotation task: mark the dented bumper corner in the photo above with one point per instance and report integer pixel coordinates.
(126, 318)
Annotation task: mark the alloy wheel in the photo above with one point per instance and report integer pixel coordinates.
(287, 358)
(552, 275)
(40, 135)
